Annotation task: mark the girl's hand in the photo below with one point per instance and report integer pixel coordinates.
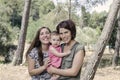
(68, 52)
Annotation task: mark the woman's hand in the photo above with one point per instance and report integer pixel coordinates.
(50, 70)
(46, 62)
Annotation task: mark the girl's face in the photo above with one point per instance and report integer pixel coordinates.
(44, 36)
(55, 40)
(65, 35)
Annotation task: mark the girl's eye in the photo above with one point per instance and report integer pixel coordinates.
(53, 39)
(58, 40)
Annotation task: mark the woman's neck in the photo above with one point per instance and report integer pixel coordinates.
(70, 43)
(45, 47)
(68, 46)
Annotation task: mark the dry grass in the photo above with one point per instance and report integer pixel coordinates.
(8, 72)
(108, 73)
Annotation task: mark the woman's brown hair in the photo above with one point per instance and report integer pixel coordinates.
(67, 24)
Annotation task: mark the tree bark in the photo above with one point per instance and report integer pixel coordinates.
(94, 61)
(83, 14)
(69, 9)
(21, 43)
(117, 44)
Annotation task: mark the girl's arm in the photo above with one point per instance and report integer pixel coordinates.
(76, 65)
(32, 71)
(59, 54)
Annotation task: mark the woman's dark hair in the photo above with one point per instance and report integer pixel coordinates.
(37, 44)
(67, 24)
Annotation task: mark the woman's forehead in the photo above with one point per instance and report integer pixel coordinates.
(63, 30)
(44, 30)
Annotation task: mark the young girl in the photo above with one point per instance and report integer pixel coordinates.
(55, 52)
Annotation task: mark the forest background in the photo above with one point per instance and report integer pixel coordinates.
(89, 24)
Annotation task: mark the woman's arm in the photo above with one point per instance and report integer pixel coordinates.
(76, 65)
(58, 54)
(32, 70)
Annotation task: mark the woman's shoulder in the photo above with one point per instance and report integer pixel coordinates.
(34, 50)
(33, 53)
(78, 46)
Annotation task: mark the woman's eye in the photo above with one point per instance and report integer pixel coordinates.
(53, 39)
(60, 33)
(41, 33)
(66, 32)
(47, 32)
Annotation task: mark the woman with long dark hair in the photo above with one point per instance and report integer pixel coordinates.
(37, 55)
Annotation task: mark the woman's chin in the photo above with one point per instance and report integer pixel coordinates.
(66, 42)
(46, 42)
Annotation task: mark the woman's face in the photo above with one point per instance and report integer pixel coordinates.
(65, 35)
(44, 36)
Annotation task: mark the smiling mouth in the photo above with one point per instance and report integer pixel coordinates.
(46, 39)
(65, 39)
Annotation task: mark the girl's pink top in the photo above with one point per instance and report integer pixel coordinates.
(55, 61)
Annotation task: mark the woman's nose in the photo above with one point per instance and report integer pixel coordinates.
(45, 35)
(63, 35)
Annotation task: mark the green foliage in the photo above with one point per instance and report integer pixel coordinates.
(85, 17)
(16, 16)
(47, 7)
(4, 27)
(97, 19)
(93, 3)
(49, 20)
(2, 62)
(105, 62)
(44, 13)
(87, 35)
(94, 25)
(15, 34)
(4, 34)
(5, 37)
(16, 5)
(113, 36)
(7, 33)
(32, 29)
(15, 19)
(13, 11)
(40, 8)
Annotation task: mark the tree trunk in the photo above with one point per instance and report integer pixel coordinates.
(83, 14)
(117, 44)
(69, 9)
(21, 43)
(94, 61)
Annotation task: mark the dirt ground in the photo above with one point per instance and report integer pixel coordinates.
(8, 72)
